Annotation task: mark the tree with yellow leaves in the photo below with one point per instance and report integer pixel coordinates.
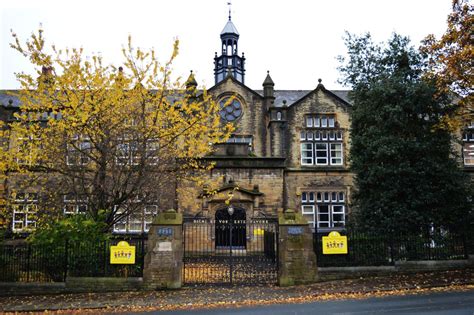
(110, 142)
(451, 59)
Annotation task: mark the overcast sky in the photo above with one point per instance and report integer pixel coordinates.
(298, 40)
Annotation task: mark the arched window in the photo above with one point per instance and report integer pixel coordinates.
(278, 115)
(229, 48)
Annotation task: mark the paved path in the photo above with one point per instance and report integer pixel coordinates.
(438, 303)
(217, 297)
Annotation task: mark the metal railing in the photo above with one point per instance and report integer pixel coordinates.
(366, 249)
(53, 263)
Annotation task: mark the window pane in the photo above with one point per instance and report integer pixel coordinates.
(323, 217)
(307, 209)
(468, 153)
(69, 209)
(319, 197)
(20, 197)
(338, 209)
(151, 209)
(331, 122)
(321, 153)
(324, 121)
(323, 209)
(326, 197)
(307, 153)
(309, 122)
(316, 122)
(81, 208)
(311, 196)
(341, 196)
(304, 197)
(336, 153)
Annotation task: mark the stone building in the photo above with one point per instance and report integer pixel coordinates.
(289, 149)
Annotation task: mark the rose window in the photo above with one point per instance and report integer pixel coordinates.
(230, 111)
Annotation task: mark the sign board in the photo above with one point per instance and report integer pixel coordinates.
(164, 247)
(165, 231)
(334, 243)
(258, 232)
(295, 230)
(122, 253)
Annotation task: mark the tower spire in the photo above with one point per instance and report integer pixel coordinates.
(229, 62)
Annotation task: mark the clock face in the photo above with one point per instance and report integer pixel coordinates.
(230, 111)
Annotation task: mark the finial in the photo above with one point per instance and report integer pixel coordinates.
(319, 80)
(229, 4)
(268, 71)
(191, 71)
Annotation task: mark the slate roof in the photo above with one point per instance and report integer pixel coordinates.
(229, 28)
(291, 96)
(7, 100)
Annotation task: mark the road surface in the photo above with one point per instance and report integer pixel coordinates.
(439, 303)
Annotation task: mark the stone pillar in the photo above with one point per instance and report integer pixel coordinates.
(164, 257)
(297, 260)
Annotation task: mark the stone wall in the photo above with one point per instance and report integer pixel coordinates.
(297, 181)
(317, 102)
(267, 182)
(253, 119)
(72, 285)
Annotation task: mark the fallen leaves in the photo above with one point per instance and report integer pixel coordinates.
(221, 297)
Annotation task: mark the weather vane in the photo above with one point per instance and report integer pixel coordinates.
(229, 4)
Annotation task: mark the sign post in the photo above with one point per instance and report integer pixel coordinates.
(334, 243)
(122, 253)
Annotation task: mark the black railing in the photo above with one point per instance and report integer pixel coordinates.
(48, 263)
(365, 249)
(28, 263)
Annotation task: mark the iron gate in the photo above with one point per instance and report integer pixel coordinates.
(230, 251)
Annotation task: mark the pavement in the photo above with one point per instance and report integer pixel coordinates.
(218, 297)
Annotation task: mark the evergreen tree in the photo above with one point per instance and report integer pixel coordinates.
(406, 173)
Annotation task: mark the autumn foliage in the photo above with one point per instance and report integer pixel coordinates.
(112, 138)
(451, 59)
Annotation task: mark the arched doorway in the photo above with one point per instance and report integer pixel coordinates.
(231, 229)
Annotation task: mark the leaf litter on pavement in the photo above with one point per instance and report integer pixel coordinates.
(218, 297)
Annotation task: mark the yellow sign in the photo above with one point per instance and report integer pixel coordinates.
(258, 232)
(334, 243)
(122, 253)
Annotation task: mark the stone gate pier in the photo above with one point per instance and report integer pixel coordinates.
(297, 260)
(164, 257)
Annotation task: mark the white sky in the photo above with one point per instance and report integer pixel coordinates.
(298, 40)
